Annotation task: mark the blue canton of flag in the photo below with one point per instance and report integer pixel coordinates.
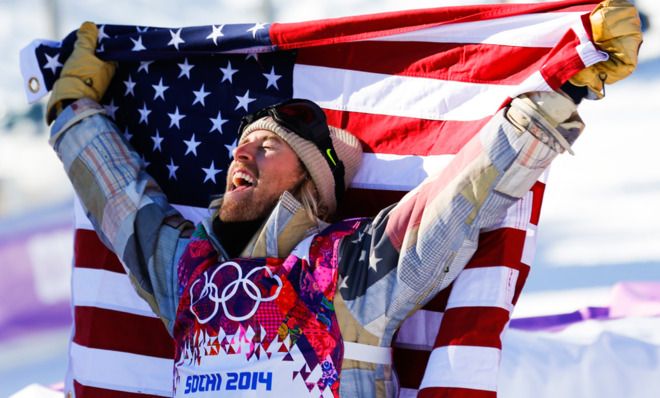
(182, 112)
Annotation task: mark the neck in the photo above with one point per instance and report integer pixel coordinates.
(234, 236)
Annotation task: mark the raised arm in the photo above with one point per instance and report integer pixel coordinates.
(417, 247)
(126, 206)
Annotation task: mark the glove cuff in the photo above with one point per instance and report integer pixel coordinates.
(66, 90)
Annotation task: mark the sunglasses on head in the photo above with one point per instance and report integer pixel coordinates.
(307, 120)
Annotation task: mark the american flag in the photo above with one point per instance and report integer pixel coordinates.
(414, 86)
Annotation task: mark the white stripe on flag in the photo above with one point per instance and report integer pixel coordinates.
(484, 287)
(396, 172)
(405, 96)
(107, 289)
(531, 30)
(462, 367)
(589, 54)
(405, 172)
(121, 371)
(80, 216)
(420, 330)
(529, 248)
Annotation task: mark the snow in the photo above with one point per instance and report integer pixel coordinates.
(599, 223)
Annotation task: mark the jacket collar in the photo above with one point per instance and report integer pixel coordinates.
(286, 225)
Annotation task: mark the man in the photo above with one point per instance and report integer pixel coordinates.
(416, 248)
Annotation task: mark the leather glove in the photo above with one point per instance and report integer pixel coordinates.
(616, 29)
(83, 74)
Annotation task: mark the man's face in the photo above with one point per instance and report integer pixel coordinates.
(263, 168)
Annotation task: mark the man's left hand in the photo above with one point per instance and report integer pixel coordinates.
(616, 29)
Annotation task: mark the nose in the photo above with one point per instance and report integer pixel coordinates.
(244, 151)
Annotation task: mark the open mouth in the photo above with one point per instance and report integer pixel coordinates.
(241, 181)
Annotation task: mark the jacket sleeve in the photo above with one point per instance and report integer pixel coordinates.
(128, 210)
(412, 250)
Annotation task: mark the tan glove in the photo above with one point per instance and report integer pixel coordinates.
(83, 74)
(617, 30)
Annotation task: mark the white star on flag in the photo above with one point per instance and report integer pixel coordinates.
(172, 168)
(142, 29)
(176, 39)
(175, 118)
(111, 108)
(228, 73)
(231, 147)
(144, 65)
(137, 44)
(200, 95)
(145, 161)
(102, 34)
(244, 101)
(272, 78)
(254, 56)
(217, 32)
(185, 68)
(144, 114)
(127, 134)
(217, 123)
(191, 146)
(130, 86)
(53, 63)
(157, 139)
(160, 89)
(211, 172)
(257, 27)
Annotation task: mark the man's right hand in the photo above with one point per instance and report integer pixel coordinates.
(83, 74)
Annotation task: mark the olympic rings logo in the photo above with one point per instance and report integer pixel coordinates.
(210, 292)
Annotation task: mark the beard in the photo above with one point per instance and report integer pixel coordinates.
(256, 202)
(247, 208)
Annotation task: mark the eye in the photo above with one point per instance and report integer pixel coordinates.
(268, 145)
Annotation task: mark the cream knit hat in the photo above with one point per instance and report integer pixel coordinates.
(347, 147)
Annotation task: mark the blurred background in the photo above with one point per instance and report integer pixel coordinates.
(599, 223)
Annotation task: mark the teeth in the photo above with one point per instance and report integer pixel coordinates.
(241, 178)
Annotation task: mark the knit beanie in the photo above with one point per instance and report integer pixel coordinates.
(347, 147)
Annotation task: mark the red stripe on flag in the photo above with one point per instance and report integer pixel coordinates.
(439, 302)
(338, 30)
(404, 135)
(538, 190)
(472, 326)
(499, 247)
(367, 202)
(449, 392)
(563, 62)
(474, 63)
(413, 365)
(90, 252)
(83, 391)
(502, 247)
(119, 331)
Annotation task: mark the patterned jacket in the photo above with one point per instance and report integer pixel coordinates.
(386, 267)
